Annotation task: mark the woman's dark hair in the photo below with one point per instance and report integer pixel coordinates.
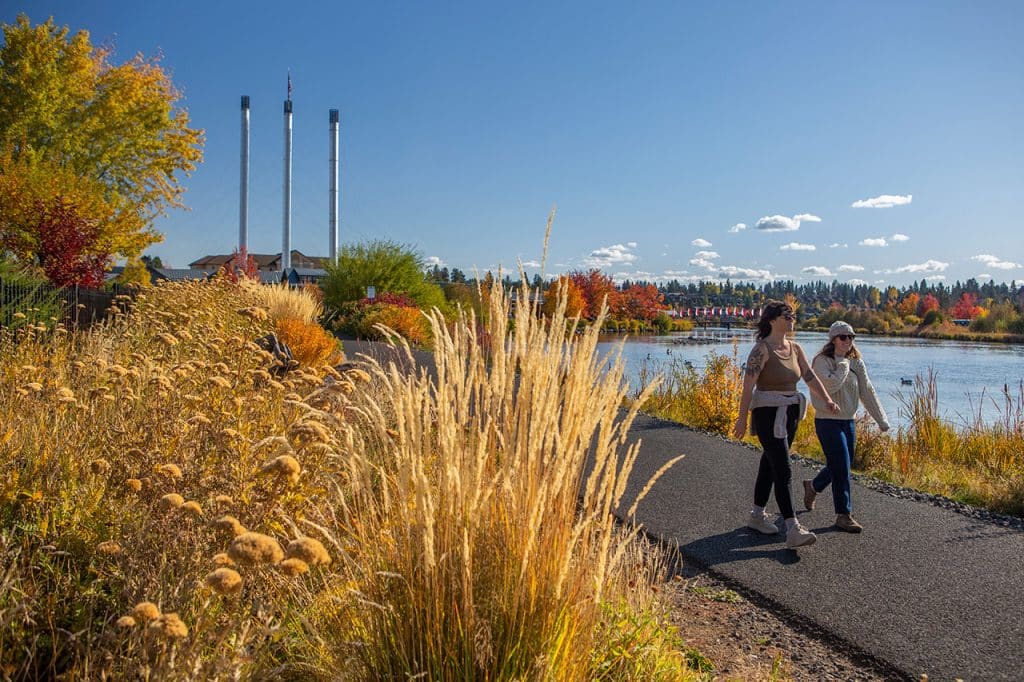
(829, 350)
(771, 310)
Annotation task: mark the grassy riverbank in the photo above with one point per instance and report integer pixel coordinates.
(169, 509)
(978, 462)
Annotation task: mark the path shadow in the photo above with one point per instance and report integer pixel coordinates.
(739, 544)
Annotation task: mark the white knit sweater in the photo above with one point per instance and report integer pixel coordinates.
(846, 381)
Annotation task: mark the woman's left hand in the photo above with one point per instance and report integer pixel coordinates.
(833, 407)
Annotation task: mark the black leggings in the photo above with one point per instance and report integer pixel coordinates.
(774, 468)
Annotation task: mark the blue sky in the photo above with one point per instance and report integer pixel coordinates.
(654, 127)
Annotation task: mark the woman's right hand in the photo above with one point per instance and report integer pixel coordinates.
(739, 429)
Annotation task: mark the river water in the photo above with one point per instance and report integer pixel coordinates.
(970, 377)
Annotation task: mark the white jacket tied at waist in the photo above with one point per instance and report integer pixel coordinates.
(782, 401)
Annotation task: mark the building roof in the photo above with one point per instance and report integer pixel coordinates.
(264, 261)
(183, 274)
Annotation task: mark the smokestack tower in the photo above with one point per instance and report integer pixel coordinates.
(286, 241)
(332, 252)
(243, 200)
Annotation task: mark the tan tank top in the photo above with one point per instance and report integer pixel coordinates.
(779, 374)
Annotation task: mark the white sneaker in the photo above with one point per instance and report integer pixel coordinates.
(762, 524)
(798, 536)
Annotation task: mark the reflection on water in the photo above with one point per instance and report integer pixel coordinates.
(971, 376)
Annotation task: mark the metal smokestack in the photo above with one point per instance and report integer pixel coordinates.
(332, 252)
(286, 241)
(243, 200)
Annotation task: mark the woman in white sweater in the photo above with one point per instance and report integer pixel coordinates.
(842, 371)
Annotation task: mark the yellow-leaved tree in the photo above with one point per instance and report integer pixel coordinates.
(77, 129)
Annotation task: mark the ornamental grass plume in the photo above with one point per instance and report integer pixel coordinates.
(293, 566)
(108, 548)
(251, 548)
(171, 501)
(283, 466)
(222, 559)
(224, 581)
(192, 507)
(229, 524)
(146, 610)
(309, 550)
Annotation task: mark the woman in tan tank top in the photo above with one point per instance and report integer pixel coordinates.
(770, 397)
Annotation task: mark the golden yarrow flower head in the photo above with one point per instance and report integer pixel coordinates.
(284, 466)
(224, 581)
(133, 484)
(171, 501)
(230, 524)
(146, 610)
(108, 548)
(255, 548)
(308, 550)
(293, 567)
(170, 626)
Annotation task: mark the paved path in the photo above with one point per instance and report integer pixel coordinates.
(922, 589)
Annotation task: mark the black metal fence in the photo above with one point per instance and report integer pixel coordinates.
(22, 302)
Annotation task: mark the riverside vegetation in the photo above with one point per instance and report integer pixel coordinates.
(169, 509)
(976, 462)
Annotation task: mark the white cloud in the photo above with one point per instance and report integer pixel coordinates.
(702, 263)
(873, 242)
(738, 227)
(807, 218)
(710, 255)
(934, 277)
(431, 261)
(797, 246)
(609, 255)
(777, 223)
(631, 245)
(984, 275)
(856, 282)
(701, 243)
(928, 267)
(531, 264)
(883, 201)
(851, 268)
(991, 261)
(837, 245)
(817, 270)
(748, 273)
(900, 237)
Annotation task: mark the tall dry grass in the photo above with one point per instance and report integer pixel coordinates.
(169, 510)
(283, 302)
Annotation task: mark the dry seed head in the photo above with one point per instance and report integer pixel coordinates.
(170, 626)
(126, 622)
(199, 419)
(193, 508)
(284, 466)
(255, 548)
(146, 610)
(29, 369)
(169, 470)
(135, 453)
(293, 567)
(308, 550)
(231, 524)
(171, 501)
(33, 386)
(229, 434)
(167, 339)
(109, 548)
(99, 466)
(222, 559)
(219, 381)
(224, 581)
(133, 484)
(223, 501)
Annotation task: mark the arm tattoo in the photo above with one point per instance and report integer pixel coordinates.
(809, 375)
(755, 363)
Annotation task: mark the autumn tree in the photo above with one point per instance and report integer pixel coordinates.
(639, 302)
(135, 274)
(927, 304)
(595, 286)
(908, 306)
(66, 247)
(78, 129)
(564, 286)
(240, 265)
(967, 307)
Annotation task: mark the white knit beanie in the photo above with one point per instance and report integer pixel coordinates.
(839, 327)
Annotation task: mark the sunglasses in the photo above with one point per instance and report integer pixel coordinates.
(845, 337)
(788, 316)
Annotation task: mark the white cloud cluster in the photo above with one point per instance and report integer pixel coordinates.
(797, 246)
(851, 268)
(738, 227)
(900, 237)
(431, 261)
(930, 266)
(702, 263)
(880, 241)
(807, 218)
(610, 255)
(984, 276)
(777, 223)
(856, 282)
(700, 243)
(710, 255)
(883, 201)
(991, 261)
(837, 245)
(744, 273)
(817, 270)
(531, 264)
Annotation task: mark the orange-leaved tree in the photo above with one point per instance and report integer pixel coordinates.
(564, 286)
(595, 287)
(639, 302)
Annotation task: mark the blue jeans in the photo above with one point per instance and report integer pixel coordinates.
(838, 438)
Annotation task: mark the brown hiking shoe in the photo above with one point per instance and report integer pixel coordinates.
(847, 523)
(809, 495)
